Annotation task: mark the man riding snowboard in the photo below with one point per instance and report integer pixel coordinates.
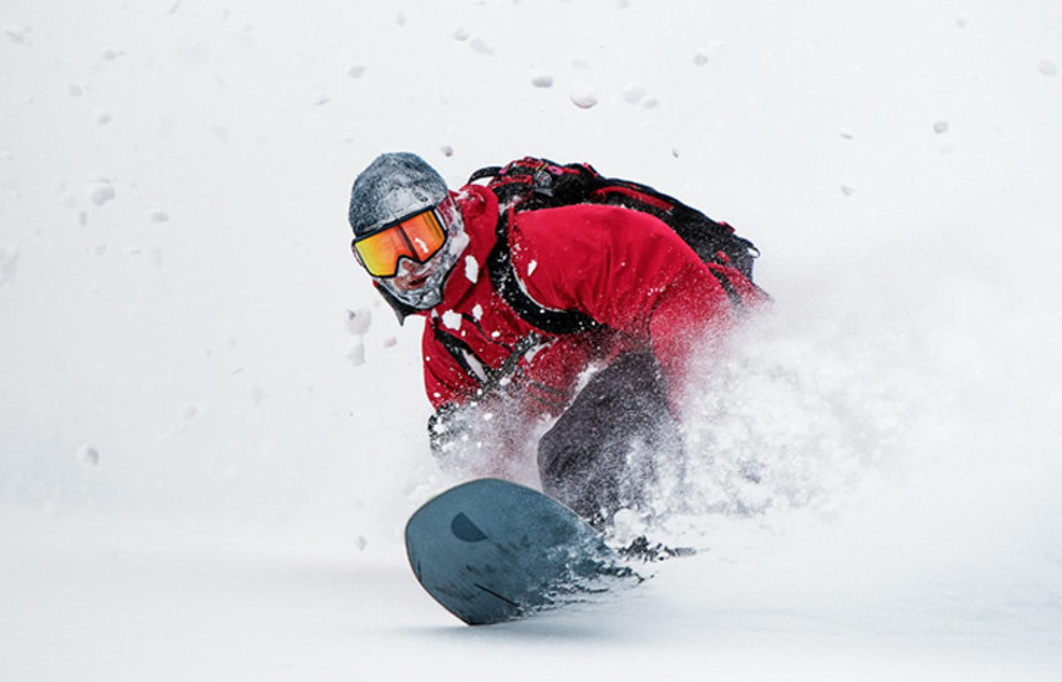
(520, 302)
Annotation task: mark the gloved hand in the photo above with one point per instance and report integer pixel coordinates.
(448, 429)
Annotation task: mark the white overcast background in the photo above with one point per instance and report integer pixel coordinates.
(205, 465)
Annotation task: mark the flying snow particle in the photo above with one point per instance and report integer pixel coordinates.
(447, 150)
(356, 71)
(17, 34)
(101, 193)
(390, 342)
(471, 269)
(82, 218)
(675, 152)
(962, 20)
(400, 18)
(479, 45)
(320, 98)
(8, 262)
(452, 320)
(158, 216)
(531, 267)
(110, 54)
(174, 7)
(940, 127)
(650, 103)
(460, 34)
(102, 117)
(361, 543)
(359, 321)
(847, 134)
(477, 312)
(542, 80)
(633, 94)
(189, 412)
(1047, 67)
(700, 57)
(88, 455)
(356, 355)
(258, 396)
(75, 90)
(581, 64)
(583, 96)
(847, 190)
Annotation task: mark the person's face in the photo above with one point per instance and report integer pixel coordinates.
(412, 275)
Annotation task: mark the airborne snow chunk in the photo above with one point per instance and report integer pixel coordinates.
(471, 269)
(479, 45)
(1047, 67)
(17, 34)
(634, 94)
(359, 321)
(88, 455)
(8, 262)
(356, 355)
(583, 96)
(158, 216)
(460, 34)
(940, 127)
(452, 320)
(356, 71)
(102, 117)
(101, 193)
(542, 80)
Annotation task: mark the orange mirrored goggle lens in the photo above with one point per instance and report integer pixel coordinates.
(417, 238)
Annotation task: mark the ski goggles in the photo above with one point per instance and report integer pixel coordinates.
(418, 237)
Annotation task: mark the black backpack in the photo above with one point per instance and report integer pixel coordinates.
(530, 184)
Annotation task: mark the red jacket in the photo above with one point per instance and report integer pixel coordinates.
(627, 270)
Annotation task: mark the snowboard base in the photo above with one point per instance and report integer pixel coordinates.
(492, 551)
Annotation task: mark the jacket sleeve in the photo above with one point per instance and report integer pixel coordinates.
(631, 272)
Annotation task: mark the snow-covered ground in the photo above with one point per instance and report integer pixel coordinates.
(206, 461)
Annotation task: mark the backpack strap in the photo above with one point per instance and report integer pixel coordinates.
(508, 285)
(489, 379)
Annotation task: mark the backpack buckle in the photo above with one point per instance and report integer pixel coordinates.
(542, 182)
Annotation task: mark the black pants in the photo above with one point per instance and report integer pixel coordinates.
(598, 457)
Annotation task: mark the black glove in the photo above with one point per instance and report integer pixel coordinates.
(448, 429)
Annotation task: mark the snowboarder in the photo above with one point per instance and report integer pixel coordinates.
(644, 299)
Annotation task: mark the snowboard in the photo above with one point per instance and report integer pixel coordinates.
(491, 551)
